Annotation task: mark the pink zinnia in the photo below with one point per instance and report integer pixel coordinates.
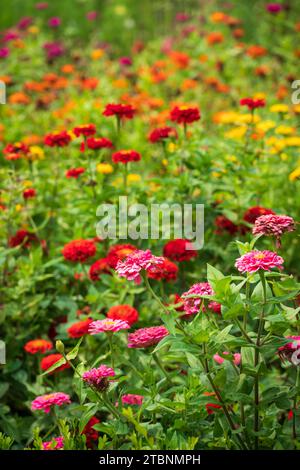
(236, 358)
(192, 305)
(275, 225)
(291, 350)
(131, 399)
(98, 378)
(107, 326)
(145, 337)
(44, 402)
(56, 443)
(136, 262)
(256, 260)
(274, 8)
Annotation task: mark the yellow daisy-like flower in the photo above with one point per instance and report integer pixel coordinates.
(236, 132)
(292, 141)
(133, 178)
(35, 153)
(27, 184)
(295, 174)
(248, 118)
(284, 130)
(265, 126)
(104, 168)
(279, 108)
(19, 207)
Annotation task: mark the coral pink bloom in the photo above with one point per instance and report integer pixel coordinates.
(107, 325)
(56, 443)
(192, 305)
(131, 399)
(44, 402)
(256, 260)
(133, 264)
(236, 358)
(98, 378)
(145, 337)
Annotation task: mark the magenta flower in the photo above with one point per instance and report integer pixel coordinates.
(131, 399)
(192, 305)
(145, 337)
(137, 261)
(44, 402)
(56, 443)
(274, 8)
(291, 350)
(273, 224)
(107, 326)
(4, 52)
(256, 260)
(54, 22)
(98, 378)
(91, 15)
(236, 358)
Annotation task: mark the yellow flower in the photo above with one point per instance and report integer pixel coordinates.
(120, 10)
(133, 178)
(33, 30)
(296, 108)
(265, 126)
(36, 153)
(19, 207)
(284, 156)
(292, 141)
(279, 108)
(97, 54)
(164, 162)
(248, 118)
(259, 96)
(295, 174)
(216, 174)
(285, 130)
(27, 184)
(172, 147)
(104, 168)
(231, 158)
(236, 132)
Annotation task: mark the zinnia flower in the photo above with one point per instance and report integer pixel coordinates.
(38, 346)
(90, 433)
(22, 237)
(44, 402)
(97, 143)
(107, 326)
(131, 399)
(101, 266)
(274, 8)
(98, 378)
(185, 114)
(291, 350)
(123, 312)
(122, 111)
(252, 103)
(85, 130)
(224, 224)
(79, 250)
(161, 134)
(57, 139)
(192, 304)
(29, 193)
(56, 443)
(118, 253)
(79, 329)
(253, 213)
(49, 361)
(166, 271)
(256, 260)
(145, 337)
(74, 172)
(275, 225)
(138, 261)
(179, 250)
(126, 156)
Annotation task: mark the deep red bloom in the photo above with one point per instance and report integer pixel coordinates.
(126, 156)
(79, 250)
(179, 250)
(252, 103)
(75, 172)
(49, 361)
(215, 307)
(162, 133)
(122, 111)
(185, 114)
(167, 271)
(253, 213)
(118, 253)
(101, 266)
(79, 328)
(57, 139)
(16, 148)
(123, 312)
(22, 237)
(85, 129)
(90, 433)
(223, 224)
(97, 143)
(29, 193)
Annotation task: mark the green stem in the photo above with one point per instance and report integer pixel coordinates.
(160, 365)
(154, 294)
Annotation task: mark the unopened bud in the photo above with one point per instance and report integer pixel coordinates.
(60, 346)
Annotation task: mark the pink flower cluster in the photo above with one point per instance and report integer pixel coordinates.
(107, 326)
(131, 399)
(97, 377)
(192, 305)
(44, 402)
(256, 260)
(56, 443)
(273, 224)
(145, 337)
(291, 350)
(137, 261)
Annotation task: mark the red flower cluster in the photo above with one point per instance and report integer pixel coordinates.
(126, 156)
(57, 139)
(75, 172)
(162, 133)
(179, 250)
(79, 250)
(123, 312)
(29, 193)
(101, 266)
(185, 114)
(122, 111)
(90, 433)
(85, 129)
(49, 361)
(79, 329)
(254, 212)
(118, 253)
(97, 143)
(167, 271)
(15, 151)
(22, 237)
(252, 103)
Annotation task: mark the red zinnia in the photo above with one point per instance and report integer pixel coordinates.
(224, 224)
(118, 253)
(22, 237)
(123, 312)
(253, 213)
(179, 250)
(79, 250)
(101, 266)
(57, 139)
(126, 156)
(38, 346)
(122, 111)
(85, 129)
(252, 103)
(49, 361)
(97, 143)
(162, 133)
(90, 433)
(185, 114)
(74, 172)
(29, 193)
(79, 328)
(166, 271)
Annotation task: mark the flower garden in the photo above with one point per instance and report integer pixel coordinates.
(150, 344)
